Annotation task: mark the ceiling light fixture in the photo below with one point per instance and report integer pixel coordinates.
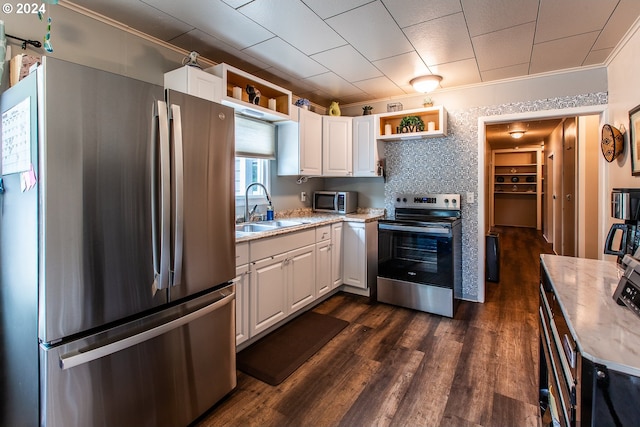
(516, 134)
(426, 83)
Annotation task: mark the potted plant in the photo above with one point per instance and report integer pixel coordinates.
(427, 102)
(410, 124)
(366, 110)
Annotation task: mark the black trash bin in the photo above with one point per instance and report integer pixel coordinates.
(492, 265)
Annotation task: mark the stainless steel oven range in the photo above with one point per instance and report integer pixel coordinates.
(420, 254)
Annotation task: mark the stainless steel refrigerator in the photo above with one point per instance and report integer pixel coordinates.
(117, 251)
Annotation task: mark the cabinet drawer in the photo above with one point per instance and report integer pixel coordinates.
(271, 246)
(242, 253)
(323, 233)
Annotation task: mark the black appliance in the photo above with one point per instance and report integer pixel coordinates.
(420, 254)
(492, 257)
(625, 205)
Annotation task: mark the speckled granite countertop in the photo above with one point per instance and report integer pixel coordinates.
(310, 219)
(605, 332)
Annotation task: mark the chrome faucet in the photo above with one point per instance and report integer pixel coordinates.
(249, 214)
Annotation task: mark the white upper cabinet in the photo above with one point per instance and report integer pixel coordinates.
(300, 144)
(194, 81)
(367, 151)
(337, 146)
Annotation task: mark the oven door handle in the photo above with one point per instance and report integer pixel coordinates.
(430, 229)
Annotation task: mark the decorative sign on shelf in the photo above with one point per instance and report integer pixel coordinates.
(411, 124)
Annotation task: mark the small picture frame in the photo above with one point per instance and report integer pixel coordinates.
(634, 140)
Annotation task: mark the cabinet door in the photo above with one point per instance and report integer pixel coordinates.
(194, 82)
(365, 147)
(355, 255)
(301, 277)
(310, 143)
(337, 147)
(204, 85)
(242, 303)
(336, 255)
(324, 282)
(268, 293)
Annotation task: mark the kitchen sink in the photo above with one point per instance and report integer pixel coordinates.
(281, 223)
(257, 227)
(254, 228)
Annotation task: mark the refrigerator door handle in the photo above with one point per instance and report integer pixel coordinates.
(162, 281)
(87, 355)
(154, 190)
(179, 194)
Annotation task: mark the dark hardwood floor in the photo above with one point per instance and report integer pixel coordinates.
(398, 367)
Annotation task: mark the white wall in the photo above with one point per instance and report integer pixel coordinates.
(624, 95)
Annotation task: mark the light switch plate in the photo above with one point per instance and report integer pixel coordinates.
(470, 197)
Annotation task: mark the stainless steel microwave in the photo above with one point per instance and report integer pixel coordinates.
(341, 202)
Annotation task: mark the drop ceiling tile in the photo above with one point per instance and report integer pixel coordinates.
(504, 48)
(284, 56)
(597, 57)
(328, 8)
(560, 54)
(441, 40)
(402, 68)
(488, 16)
(505, 72)
(237, 3)
(310, 35)
(371, 31)
(140, 16)
(411, 12)
(458, 73)
(347, 62)
(555, 17)
(379, 87)
(334, 85)
(622, 19)
(215, 18)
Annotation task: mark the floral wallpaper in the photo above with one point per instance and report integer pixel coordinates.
(450, 165)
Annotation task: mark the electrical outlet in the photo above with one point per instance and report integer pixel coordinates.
(303, 196)
(470, 197)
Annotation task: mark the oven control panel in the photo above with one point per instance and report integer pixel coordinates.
(430, 201)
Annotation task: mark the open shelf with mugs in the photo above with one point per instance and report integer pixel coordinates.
(428, 122)
(516, 187)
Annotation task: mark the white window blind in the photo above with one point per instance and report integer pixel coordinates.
(255, 138)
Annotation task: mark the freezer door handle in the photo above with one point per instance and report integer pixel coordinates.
(82, 356)
(179, 194)
(162, 280)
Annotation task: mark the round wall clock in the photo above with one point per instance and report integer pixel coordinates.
(612, 143)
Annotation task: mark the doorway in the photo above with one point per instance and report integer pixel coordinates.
(484, 152)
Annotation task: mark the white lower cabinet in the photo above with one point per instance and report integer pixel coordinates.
(336, 254)
(360, 254)
(286, 273)
(242, 303)
(324, 282)
(301, 281)
(282, 283)
(242, 292)
(268, 292)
